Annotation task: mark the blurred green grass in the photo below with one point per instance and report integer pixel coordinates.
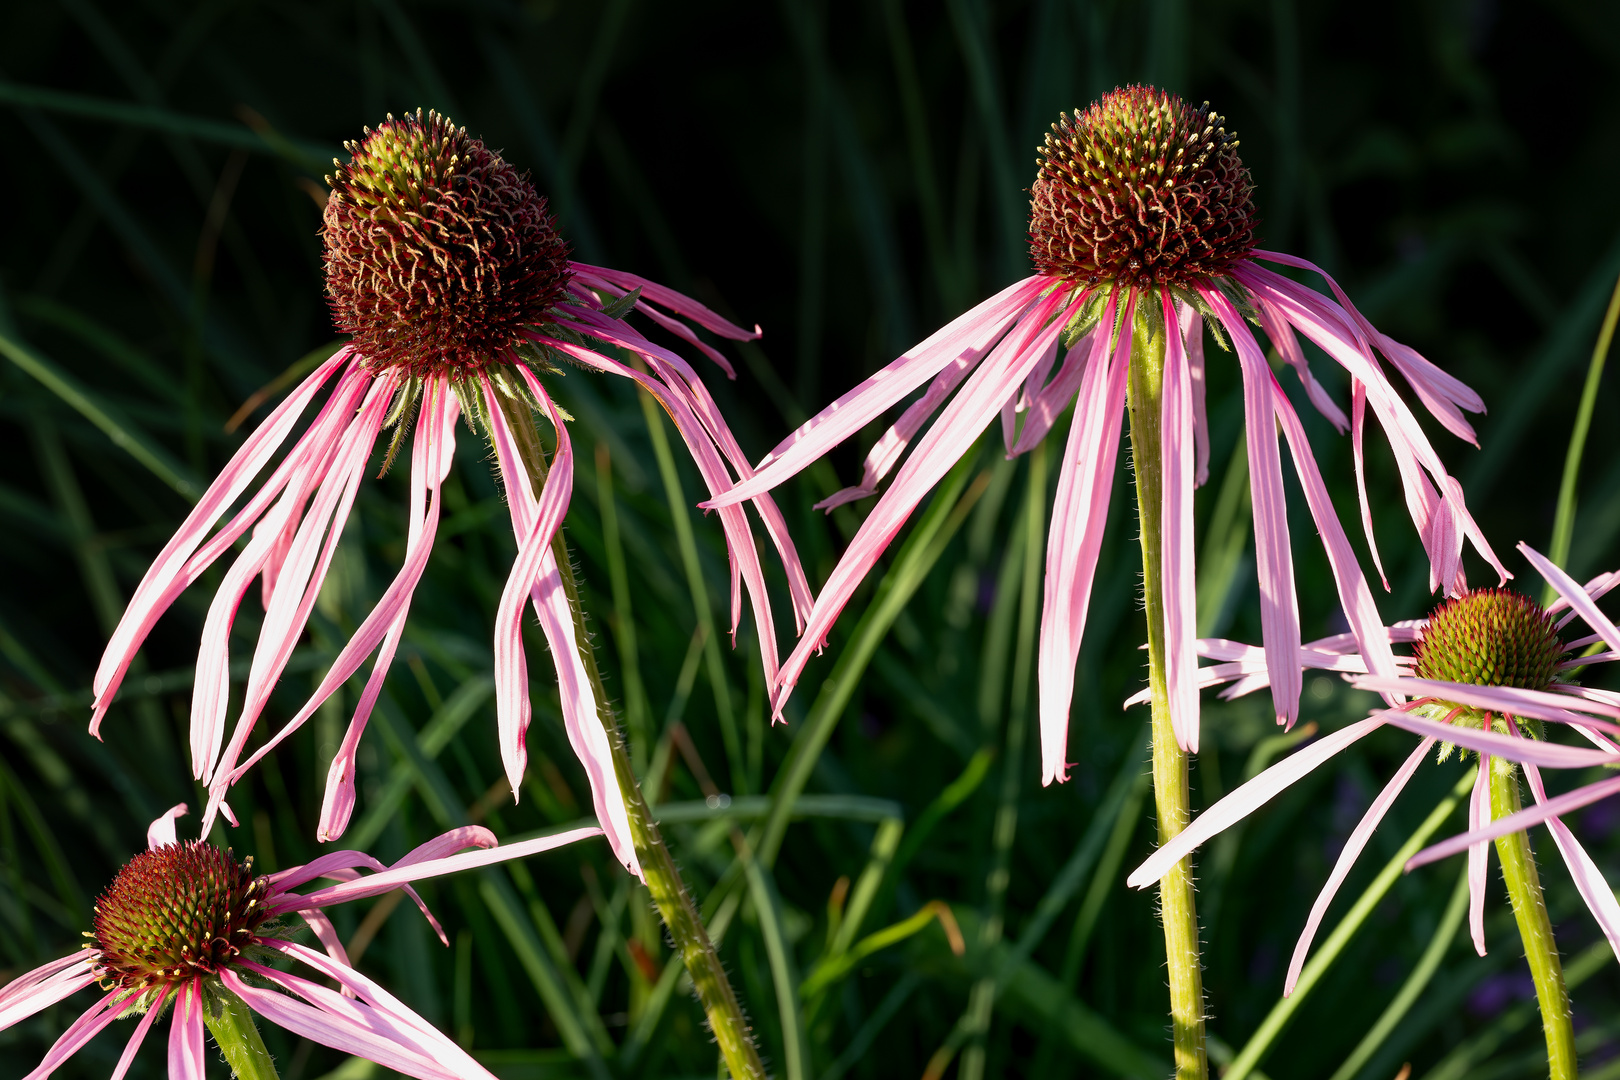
(848, 175)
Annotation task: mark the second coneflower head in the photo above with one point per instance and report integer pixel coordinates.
(446, 270)
(1142, 234)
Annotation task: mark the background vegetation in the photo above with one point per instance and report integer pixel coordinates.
(849, 175)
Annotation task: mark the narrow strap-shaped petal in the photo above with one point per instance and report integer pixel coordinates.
(1355, 597)
(43, 987)
(243, 467)
(1282, 336)
(1192, 336)
(1279, 606)
(127, 1058)
(1578, 599)
(162, 830)
(1177, 577)
(1248, 798)
(1531, 751)
(1079, 517)
(1479, 812)
(89, 1024)
(962, 422)
(1352, 850)
(1539, 704)
(186, 1061)
(1050, 401)
(1358, 424)
(1519, 821)
(1589, 880)
(394, 877)
(975, 330)
(663, 295)
(1595, 589)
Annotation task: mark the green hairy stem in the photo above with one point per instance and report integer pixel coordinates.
(663, 880)
(1171, 794)
(237, 1036)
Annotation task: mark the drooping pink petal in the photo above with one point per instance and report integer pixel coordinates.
(664, 296)
(1282, 336)
(89, 1024)
(1176, 559)
(147, 602)
(186, 1060)
(1539, 704)
(1589, 880)
(1532, 751)
(1479, 812)
(1192, 336)
(1248, 798)
(962, 422)
(1049, 403)
(162, 830)
(1274, 559)
(1577, 598)
(43, 987)
(127, 1058)
(1519, 821)
(1352, 850)
(361, 1032)
(1595, 589)
(321, 926)
(1079, 516)
(1358, 417)
(1355, 597)
(974, 330)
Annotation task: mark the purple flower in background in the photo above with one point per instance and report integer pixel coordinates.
(1484, 665)
(1142, 227)
(445, 266)
(185, 926)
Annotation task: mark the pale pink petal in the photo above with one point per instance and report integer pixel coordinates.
(1479, 812)
(1079, 517)
(127, 1058)
(1352, 850)
(1176, 560)
(1577, 598)
(43, 987)
(89, 1024)
(1539, 704)
(664, 296)
(1519, 821)
(1589, 880)
(1192, 334)
(1533, 751)
(1248, 798)
(1282, 336)
(1595, 589)
(972, 331)
(447, 843)
(1279, 607)
(1358, 416)
(962, 422)
(393, 878)
(162, 830)
(148, 600)
(186, 1060)
(1054, 397)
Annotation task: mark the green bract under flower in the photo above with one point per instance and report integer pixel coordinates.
(438, 252)
(176, 912)
(1143, 189)
(1490, 637)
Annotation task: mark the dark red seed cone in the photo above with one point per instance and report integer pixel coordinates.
(438, 252)
(1142, 189)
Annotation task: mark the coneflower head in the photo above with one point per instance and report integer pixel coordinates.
(1490, 637)
(1141, 189)
(176, 912)
(438, 252)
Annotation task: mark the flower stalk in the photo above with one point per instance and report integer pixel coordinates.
(1171, 789)
(230, 1021)
(1535, 928)
(669, 894)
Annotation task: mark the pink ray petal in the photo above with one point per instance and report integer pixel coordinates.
(1353, 848)
(1479, 812)
(962, 422)
(1539, 704)
(974, 330)
(1049, 403)
(1176, 558)
(664, 296)
(1358, 417)
(1079, 517)
(1192, 335)
(162, 830)
(1595, 589)
(1577, 598)
(186, 1061)
(393, 878)
(127, 1058)
(1519, 821)
(449, 842)
(1589, 880)
(89, 1024)
(363, 1035)
(1279, 607)
(1355, 597)
(145, 605)
(1282, 336)
(43, 987)
(1532, 751)
(1248, 798)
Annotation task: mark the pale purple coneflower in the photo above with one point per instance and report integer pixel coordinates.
(1142, 220)
(445, 266)
(1485, 663)
(184, 926)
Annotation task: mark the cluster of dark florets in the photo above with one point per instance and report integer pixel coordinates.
(1490, 637)
(176, 912)
(438, 252)
(1142, 189)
